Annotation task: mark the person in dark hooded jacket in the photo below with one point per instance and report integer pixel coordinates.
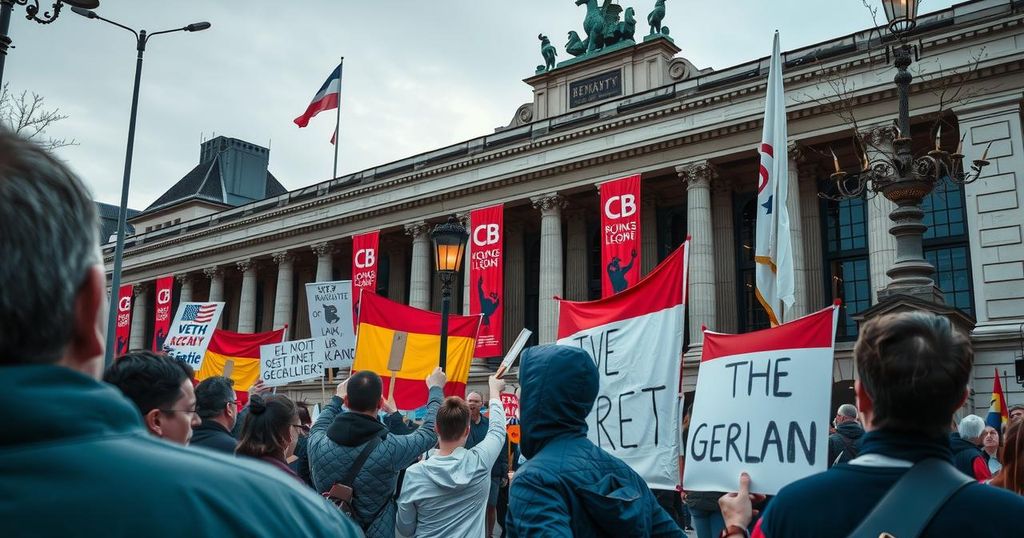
(844, 445)
(569, 486)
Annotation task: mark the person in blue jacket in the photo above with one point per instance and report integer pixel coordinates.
(569, 486)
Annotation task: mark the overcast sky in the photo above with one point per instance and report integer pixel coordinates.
(418, 75)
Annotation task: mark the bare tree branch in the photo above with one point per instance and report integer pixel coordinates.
(27, 115)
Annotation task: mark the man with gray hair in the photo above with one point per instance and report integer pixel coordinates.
(844, 445)
(81, 435)
(966, 445)
(217, 406)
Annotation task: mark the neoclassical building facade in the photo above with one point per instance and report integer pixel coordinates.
(692, 135)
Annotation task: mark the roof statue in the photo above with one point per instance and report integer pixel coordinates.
(655, 17)
(548, 51)
(607, 27)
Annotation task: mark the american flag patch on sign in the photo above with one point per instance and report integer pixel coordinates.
(199, 313)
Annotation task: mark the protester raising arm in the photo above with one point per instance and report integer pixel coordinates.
(493, 444)
(406, 448)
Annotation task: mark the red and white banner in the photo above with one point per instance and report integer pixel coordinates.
(620, 234)
(636, 340)
(486, 277)
(364, 266)
(762, 406)
(123, 325)
(162, 315)
(511, 404)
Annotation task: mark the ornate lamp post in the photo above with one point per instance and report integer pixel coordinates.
(141, 38)
(449, 247)
(32, 14)
(905, 179)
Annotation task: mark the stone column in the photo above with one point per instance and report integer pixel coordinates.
(397, 278)
(648, 234)
(881, 244)
(550, 206)
(247, 299)
(216, 276)
(576, 255)
(419, 280)
(283, 292)
(324, 261)
(185, 293)
(727, 317)
(701, 296)
(514, 297)
(140, 305)
(796, 236)
(810, 215)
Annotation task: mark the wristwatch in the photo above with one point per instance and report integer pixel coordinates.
(733, 530)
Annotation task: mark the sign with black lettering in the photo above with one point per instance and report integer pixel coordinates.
(595, 88)
(636, 340)
(286, 362)
(762, 406)
(330, 320)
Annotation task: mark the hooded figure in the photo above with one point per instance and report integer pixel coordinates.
(569, 486)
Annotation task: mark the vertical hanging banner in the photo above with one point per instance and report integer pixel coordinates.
(123, 326)
(192, 331)
(330, 321)
(636, 340)
(486, 277)
(364, 266)
(162, 315)
(620, 234)
(762, 406)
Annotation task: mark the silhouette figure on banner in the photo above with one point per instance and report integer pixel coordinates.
(122, 345)
(331, 314)
(488, 302)
(617, 274)
(161, 335)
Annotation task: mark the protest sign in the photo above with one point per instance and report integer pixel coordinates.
(330, 320)
(485, 276)
(296, 360)
(191, 331)
(511, 404)
(635, 338)
(513, 352)
(762, 406)
(620, 234)
(123, 324)
(162, 312)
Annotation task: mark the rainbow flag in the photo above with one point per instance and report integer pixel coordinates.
(237, 355)
(419, 331)
(997, 412)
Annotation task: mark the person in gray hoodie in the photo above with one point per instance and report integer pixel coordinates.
(446, 495)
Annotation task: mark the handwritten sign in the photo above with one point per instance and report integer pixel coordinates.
(330, 320)
(286, 362)
(192, 331)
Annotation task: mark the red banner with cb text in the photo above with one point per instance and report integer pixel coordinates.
(123, 325)
(486, 277)
(163, 313)
(620, 234)
(364, 266)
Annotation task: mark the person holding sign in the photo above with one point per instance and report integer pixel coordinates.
(914, 369)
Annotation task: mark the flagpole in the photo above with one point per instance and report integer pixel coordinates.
(337, 122)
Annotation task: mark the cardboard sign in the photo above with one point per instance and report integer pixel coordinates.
(513, 352)
(297, 360)
(762, 406)
(191, 331)
(330, 320)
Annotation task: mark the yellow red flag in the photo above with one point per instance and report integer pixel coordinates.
(239, 350)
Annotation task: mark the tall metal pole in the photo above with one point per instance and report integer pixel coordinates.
(446, 300)
(337, 123)
(903, 78)
(5, 40)
(122, 214)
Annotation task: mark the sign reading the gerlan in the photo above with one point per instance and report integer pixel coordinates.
(595, 88)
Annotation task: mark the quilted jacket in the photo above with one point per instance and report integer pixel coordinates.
(335, 442)
(569, 486)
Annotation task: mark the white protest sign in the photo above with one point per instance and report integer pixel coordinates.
(513, 352)
(762, 406)
(635, 338)
(191, 332)
(330, 320)
(297, 360)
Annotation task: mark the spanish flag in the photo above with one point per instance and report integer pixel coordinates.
(997, 412)
(237, 355)
(385, 324)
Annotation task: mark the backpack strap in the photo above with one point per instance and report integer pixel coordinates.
(357, 465)
(912, 502)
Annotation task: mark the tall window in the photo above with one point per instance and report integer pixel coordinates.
(846, 257)
(946, 246)
(752, 315)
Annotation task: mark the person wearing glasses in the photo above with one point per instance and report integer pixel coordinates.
(270, 432)
(217, 406)
(160, 386)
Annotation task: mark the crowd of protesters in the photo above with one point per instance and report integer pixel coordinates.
(140, 449)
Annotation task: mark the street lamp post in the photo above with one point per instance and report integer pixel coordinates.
(141, 38)
(449, 246)
(904, 179)
(32, 14)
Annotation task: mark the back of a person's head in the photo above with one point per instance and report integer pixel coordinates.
(452, 419)
(915, 367)
(213, 394)
(265, 429)
(1011, 456)
(364, 391)
(303, 409)
(49, 239)
(150, 380)
(847, 410)
(970, 427)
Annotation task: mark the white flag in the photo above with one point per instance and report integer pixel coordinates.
(773, 255)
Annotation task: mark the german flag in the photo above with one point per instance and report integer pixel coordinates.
(237, 355)
(383, 323)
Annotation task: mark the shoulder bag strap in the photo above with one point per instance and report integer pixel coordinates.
(913, 500)
(357, 465)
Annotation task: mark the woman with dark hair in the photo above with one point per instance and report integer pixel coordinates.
(270, 431)
(1011, 476)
